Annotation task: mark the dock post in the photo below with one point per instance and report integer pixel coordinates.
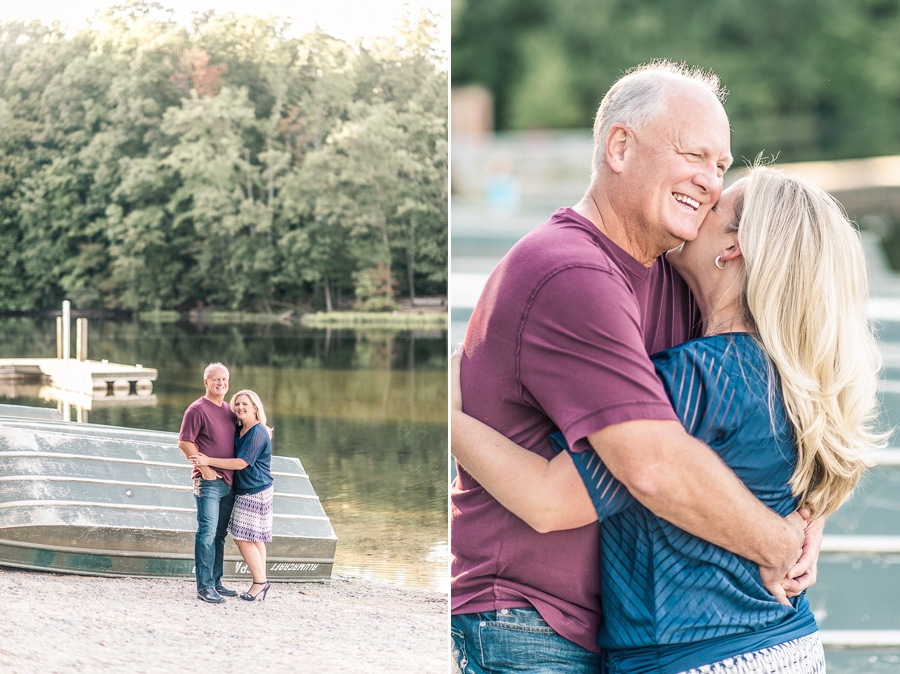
(81, 338)
(66, 329)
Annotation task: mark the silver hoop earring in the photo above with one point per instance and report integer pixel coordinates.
(724, 263)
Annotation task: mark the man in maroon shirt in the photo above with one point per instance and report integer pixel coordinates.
(560, 338)
(209, 427)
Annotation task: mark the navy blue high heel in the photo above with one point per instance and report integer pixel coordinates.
(246, 596)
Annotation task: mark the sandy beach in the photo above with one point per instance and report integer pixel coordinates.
(54, 623)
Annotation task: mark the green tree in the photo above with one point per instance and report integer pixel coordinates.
(146, 166)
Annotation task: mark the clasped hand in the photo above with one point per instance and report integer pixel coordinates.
(802, 575)
(201, 462)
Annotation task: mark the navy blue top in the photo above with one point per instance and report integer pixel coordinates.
(672, 601)
(255, 448)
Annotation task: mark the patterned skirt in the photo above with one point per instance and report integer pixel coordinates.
(251, 519)
(800, 656)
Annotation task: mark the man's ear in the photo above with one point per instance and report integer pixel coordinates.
(618, 141)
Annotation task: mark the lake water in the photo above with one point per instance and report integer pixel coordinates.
(364, 411)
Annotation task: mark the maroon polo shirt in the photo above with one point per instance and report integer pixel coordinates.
(560, 338)
(212, 428)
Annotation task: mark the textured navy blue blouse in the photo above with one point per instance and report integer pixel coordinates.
(672, 601)
(254, 447)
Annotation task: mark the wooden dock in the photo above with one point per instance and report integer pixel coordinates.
(98, 379)
(77, 381)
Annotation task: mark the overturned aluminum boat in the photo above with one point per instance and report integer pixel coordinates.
(107, 501)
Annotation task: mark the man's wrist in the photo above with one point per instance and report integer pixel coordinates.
(783, 549)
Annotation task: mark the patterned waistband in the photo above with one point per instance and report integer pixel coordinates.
(800, 656)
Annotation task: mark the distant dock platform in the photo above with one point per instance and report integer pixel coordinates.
(86, 377)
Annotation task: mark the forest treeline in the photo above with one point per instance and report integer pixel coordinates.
(149, 165)
(808, 79)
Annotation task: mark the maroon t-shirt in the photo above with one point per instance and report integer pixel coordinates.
(211, 427)
(560, 338)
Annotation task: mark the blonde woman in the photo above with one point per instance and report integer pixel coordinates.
(251, 519)
(782, 386)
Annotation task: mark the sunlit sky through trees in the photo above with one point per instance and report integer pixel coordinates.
(347, 20)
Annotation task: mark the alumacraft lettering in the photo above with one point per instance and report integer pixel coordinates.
(241, 567)
(284, 566)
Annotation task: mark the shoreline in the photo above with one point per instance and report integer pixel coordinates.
(67, 623)
(403, 318)
(396, 321)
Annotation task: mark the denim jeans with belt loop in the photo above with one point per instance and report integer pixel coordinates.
(515, 640)
(215, 500)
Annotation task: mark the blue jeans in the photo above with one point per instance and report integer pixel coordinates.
(515, 640)
(215, 499)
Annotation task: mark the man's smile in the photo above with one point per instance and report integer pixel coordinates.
(693, 204)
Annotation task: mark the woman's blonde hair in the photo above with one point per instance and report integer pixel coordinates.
(805, 290)
(260, 411)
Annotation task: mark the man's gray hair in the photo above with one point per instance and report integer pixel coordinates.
(640, 95)
(213, 366)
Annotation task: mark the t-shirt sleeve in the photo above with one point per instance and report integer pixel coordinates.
(701, 392)
(190, 425)
(250, 450)
(582, 357)
(608, 495)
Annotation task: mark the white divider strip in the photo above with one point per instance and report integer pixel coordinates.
(136, 508)
(861, 544)
(860, 638)
(890, 353)
(888, 457)
(884, 308)
(889, 386)
(121, 483)
(49, 454)
(466, 288)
